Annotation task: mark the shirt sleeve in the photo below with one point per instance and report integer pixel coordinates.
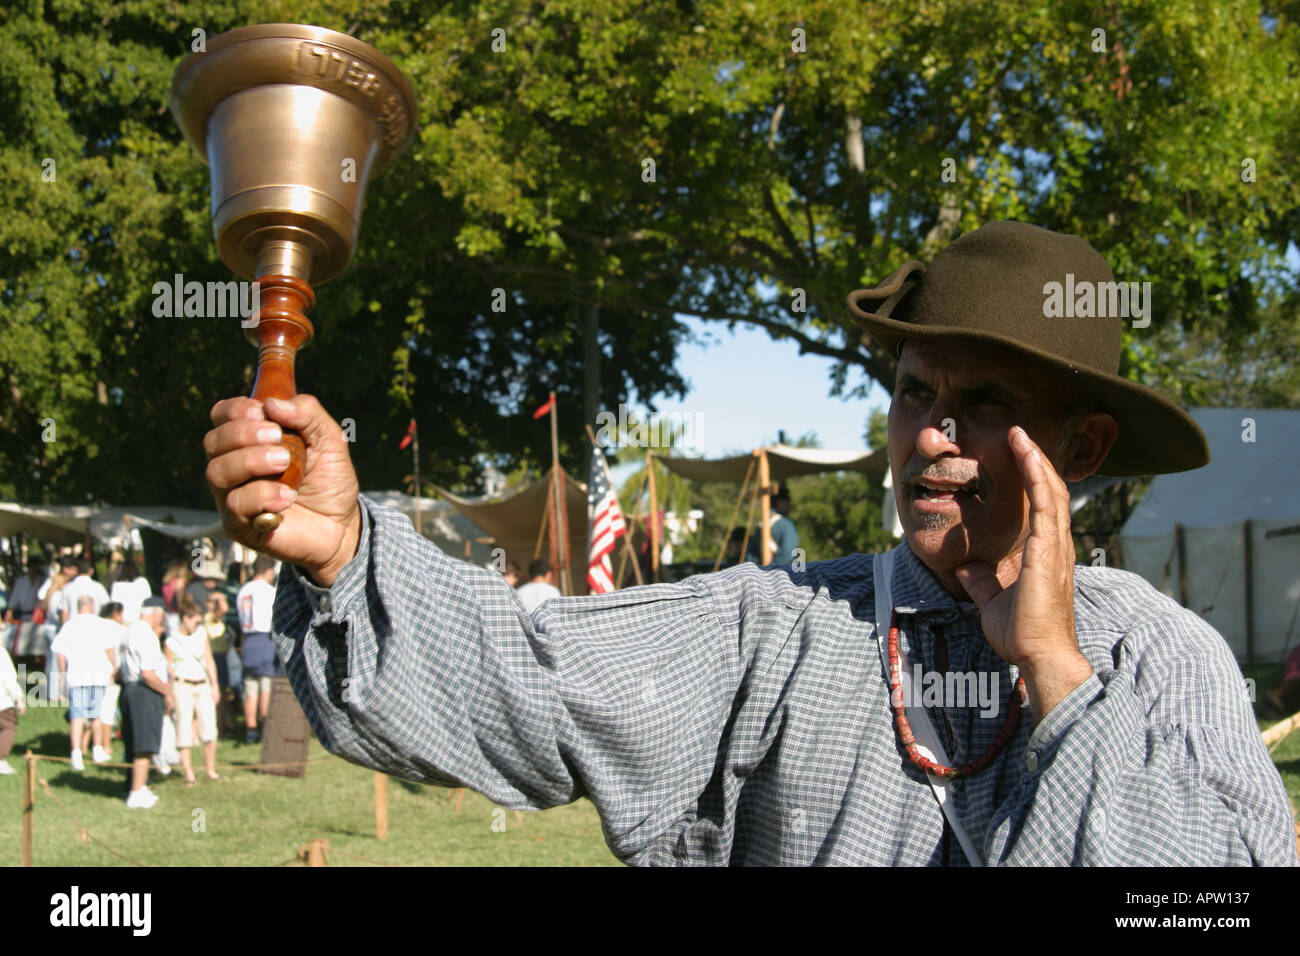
(1157, 761)
(429, 668)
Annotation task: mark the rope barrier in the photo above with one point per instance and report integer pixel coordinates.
(84, 831)
(85, 834)
(332, 850)
(230, 766)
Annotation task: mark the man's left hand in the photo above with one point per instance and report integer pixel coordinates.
(1027, 604)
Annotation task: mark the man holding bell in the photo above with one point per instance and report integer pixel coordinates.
(773, 716)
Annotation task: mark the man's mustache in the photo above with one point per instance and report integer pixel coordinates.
(937, 471)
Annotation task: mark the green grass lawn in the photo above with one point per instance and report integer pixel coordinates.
(261, 820)
(1286, 754)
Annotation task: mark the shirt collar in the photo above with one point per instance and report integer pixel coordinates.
(917, 591)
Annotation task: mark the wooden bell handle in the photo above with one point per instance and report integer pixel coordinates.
(279, 329)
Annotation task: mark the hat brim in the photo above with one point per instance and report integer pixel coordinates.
(1156, 436)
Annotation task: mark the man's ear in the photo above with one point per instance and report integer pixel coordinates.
(1094, 435)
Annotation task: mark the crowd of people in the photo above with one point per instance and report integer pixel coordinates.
(162, 672)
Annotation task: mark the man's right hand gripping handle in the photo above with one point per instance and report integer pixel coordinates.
(321, 522)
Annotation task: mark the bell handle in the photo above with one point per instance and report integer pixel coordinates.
(279, 329)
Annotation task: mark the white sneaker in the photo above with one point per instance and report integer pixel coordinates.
(77, 763)
(6, 770)
(140, 799)
(101, 755)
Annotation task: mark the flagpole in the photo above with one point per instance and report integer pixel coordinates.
(559, 517)
(415, 453)
(627, 545)
(654, 516)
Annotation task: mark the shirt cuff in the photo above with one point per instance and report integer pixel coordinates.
(1053, 727)
(329, 605)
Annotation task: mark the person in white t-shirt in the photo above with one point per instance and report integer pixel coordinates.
(146, 698)
(194, 683)
(540, 587)
(255, 602)
(83, 583)
(86, 649)
(130, 589)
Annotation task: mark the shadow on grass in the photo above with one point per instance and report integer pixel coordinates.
(51, 742)
(108, 783)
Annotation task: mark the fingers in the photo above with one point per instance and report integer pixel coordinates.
(244, 464)
(230, 409)
(1049, 515)
(240, 433)
(248, 501)
(305, 415)
(244, 445)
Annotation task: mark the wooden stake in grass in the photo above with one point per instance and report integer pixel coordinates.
(315, 853)
(1278, 731)
(29, 808)
(381, 805)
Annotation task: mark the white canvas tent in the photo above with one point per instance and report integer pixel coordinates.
(69, 524)
(1241, 510)
(774, 464)
(784, 462)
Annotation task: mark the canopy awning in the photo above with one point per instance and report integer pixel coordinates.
(784, 461)
(514, 522)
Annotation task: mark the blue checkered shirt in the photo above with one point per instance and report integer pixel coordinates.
(743, 717)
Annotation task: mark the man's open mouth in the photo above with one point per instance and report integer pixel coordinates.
(926, 489)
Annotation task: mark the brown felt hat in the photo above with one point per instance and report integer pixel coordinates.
(991, 286)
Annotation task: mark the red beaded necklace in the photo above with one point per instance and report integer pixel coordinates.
(905, 729)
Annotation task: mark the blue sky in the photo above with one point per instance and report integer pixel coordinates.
(745, 388)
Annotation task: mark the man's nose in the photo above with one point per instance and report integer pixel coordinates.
(938, 436)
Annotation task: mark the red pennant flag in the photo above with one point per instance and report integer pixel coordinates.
(410, 434)
(545, 408)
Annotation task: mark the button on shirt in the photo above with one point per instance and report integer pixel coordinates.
(743, 717)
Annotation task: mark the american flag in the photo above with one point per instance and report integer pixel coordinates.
(604, 525)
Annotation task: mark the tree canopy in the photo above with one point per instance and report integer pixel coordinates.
(743, 162)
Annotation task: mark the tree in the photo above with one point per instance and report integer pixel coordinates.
(106, 401)
(744, 163)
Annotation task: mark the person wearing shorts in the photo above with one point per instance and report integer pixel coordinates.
(112, 611)
(146, 698)
(255, 601)
(194, 674)
(86, 650)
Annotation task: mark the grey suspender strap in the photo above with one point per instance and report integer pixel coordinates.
(927, 738)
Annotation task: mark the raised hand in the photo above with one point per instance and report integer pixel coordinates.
(320, 522)
(1027, 603)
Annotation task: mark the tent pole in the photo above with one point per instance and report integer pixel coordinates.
(1250, 594)
(553, 535)
(1180, 543)
(654, 517)
(726, 532)
(765, 508)
(630, 554)
(562, 504)
(541, 529)
(749, 521)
